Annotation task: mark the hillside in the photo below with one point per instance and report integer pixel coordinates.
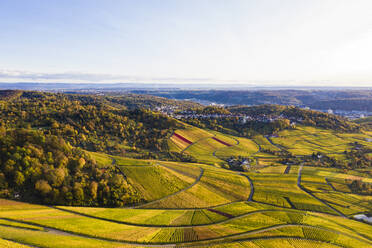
(248, 121)
(111, 171)
(365, 122)
(265, 209)
(89, 122)
(43, 168)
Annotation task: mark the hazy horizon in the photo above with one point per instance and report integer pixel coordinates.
(320, 43)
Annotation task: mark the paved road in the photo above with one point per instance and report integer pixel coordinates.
(252, 187)
(193, 243)
(271, 142)
(287, 169)
(311, 194)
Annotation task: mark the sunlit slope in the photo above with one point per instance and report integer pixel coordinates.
(183, 138)
(215, 148)
(212, 207)
(306, 140)
(180, 185)
(46, 227)
(214, 187)
(200, 204)
(310, 188)
(210, 147)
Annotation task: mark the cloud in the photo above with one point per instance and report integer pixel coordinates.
(82, 77)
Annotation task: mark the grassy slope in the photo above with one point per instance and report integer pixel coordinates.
(306, 140)
(222, 196)
(217, 183)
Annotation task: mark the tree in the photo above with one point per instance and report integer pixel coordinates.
(19, 179)
(43, 187)
(78, 193)
(93, 188)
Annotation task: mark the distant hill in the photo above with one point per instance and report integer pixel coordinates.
(315, 99)
(264, 119)
(365, 122)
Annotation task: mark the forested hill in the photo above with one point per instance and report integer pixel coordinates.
(299, 115)
(365, 122)
(90, 122)
(43, 168)
(44, 138)
(263, 119)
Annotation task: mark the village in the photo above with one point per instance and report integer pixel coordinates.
(173, 112)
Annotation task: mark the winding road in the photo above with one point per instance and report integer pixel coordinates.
(222, 239)
(311, 194)
(250, 198)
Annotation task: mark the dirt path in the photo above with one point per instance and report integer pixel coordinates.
(113, 163)
(187, 147)
(182, 190)
(330, 184)
(214, 152)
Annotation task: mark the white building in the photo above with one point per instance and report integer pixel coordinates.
(363, 217)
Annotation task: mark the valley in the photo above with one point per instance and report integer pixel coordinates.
(162, 182)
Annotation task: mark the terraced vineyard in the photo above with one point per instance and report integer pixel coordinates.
(209, 207)
(306, 140)
(211, 147)
(203, 205)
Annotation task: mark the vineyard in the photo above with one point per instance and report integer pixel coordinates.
(203, 204)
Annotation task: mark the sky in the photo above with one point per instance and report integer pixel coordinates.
(292, 42)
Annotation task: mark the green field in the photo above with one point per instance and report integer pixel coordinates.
(206, 149)
(203, 205)
(306, 140)
(213, 210)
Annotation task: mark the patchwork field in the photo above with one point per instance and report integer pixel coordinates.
(306, 140)
(211, 147)
(203, 205)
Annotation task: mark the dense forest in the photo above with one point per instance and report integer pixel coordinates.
(44, 168)
(89, 122)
